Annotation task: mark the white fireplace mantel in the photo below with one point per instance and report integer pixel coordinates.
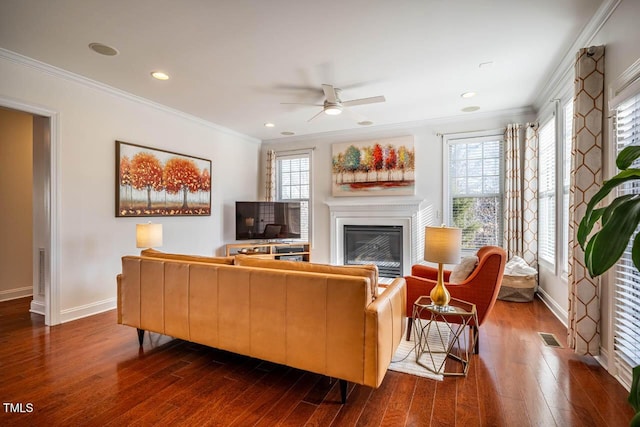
(412, 213)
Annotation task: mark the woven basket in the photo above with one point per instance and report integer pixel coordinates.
(518, 288)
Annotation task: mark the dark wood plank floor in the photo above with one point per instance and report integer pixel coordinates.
(91, 372)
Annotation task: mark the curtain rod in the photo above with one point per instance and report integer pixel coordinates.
(467, 132)
(294, 150)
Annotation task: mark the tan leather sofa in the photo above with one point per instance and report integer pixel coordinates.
(327, 322)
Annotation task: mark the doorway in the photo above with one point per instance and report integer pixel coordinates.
(44, 259)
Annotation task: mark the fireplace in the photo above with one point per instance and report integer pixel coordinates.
(374, 244)
(407, 216)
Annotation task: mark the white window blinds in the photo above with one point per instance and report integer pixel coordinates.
(293, 183)
(547, 193)
(475, 191)
(627, 277)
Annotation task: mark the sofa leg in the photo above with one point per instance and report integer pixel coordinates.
(409, 324)
(140, 336)
(343, 391)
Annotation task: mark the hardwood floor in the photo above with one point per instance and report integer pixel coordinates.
(92, 372)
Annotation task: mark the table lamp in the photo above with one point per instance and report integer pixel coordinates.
(148, 235)
(442, 245)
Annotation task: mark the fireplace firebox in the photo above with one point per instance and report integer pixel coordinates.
(374, 244)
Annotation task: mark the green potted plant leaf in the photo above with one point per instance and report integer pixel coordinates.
(618, 221)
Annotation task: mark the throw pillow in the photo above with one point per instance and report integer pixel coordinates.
(461, 271)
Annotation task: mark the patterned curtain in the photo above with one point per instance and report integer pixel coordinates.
(530, 196)
(586, 178)
(271, 176)
(521, 193)
(513, 192)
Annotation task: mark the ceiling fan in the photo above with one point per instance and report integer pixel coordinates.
(333, 105)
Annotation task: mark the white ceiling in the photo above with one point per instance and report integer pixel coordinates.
(233, 62)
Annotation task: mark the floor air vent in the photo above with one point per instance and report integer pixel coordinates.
(549, 340)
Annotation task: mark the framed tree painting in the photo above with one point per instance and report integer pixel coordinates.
(381, 167)
(152, 182)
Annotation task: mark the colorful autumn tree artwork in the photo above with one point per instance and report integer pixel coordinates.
(181, 174)
(352, 159)
(146, 174)
(390, 161)
(367, 161)
(125, 175)
(154, 182)
(395, 156)
(378, 159)
(205, 181)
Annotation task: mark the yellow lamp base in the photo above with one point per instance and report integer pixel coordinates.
(440, 295)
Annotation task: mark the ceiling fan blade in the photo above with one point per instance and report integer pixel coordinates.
(363, 101)
(314, 117)
(330, 93)
(301, 103)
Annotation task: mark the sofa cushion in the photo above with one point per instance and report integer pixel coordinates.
(370, 271)
(152, 253)
(461, 271)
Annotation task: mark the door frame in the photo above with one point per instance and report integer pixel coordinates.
(52, 207)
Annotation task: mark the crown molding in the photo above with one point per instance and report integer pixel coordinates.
(507, 114)
(564, 71)
(76, 78)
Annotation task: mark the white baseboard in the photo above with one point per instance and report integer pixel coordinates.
(555, 308)
(603, 358)
(37, 307)
(79, 312)
(8, 295)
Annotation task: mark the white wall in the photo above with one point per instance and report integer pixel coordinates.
(428, 148)
(91, 119)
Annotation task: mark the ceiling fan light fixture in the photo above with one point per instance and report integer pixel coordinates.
(333, 110)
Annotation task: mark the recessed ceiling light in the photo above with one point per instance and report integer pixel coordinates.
(287, 133)
(485, 65)
(468, 94)
(103, 49)
(160, 75)
(365, 123)
(471, 109)
(269, 125)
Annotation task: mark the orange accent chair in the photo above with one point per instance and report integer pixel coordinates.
(480, 288)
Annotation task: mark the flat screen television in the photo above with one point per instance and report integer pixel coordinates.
(267, 220)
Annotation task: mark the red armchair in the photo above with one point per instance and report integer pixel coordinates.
(480, 288)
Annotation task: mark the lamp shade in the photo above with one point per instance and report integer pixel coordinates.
(148, 235)
(442, 245)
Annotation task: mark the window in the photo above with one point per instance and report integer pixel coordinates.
(475, 187)
(547, 193)
(293, 183)
(566, 176)
(626, 338)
